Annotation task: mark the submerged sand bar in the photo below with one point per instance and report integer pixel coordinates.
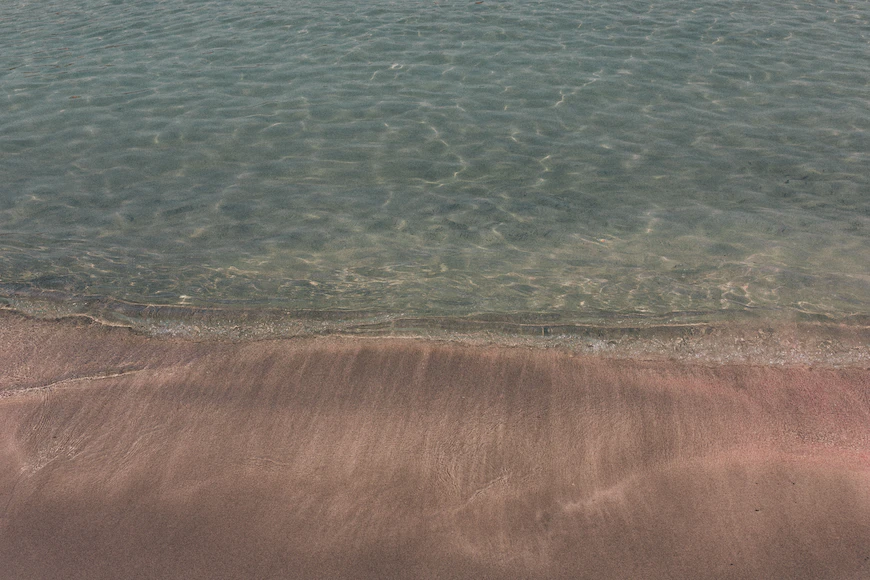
(126, 456)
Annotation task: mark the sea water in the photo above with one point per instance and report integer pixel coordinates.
(580, 160)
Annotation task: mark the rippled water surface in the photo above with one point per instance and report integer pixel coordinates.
(440, 158)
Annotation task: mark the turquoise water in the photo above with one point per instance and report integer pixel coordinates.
(578, 160)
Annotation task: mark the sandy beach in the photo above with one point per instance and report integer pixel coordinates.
(125, 456)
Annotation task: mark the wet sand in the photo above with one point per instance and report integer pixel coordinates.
(123, 456)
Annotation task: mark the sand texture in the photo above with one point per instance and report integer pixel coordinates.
(123, 456)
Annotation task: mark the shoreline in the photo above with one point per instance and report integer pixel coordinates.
(747, 337)
(370, 457)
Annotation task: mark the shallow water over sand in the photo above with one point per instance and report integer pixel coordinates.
(576, 160)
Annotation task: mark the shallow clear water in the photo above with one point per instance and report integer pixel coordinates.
(574, 159)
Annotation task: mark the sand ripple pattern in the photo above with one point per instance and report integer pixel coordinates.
(410, 459)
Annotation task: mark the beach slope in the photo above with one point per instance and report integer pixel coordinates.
(124, 456)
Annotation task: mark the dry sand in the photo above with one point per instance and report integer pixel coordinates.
(128, 457)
